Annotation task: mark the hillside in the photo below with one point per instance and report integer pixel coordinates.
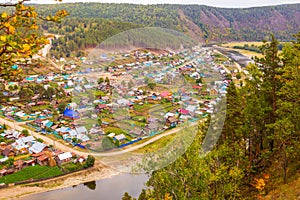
(201, 22)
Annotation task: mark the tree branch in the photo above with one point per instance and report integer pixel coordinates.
(8, 4)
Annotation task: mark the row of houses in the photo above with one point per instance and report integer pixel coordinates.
(30, 152)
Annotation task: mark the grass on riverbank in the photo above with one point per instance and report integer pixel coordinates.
(33, 172)
(155, 146)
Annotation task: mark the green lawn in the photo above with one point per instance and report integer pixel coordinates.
(111, 129)
(69, 167)
(33, 172)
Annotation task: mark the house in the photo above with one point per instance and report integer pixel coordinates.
(63, 130)
(8, 152)
(81, 130)
(172, 121)
(83, 137)
(101, 106)
(43, 160)
(167, 115)
(4, 172)
(197, 87)
(80, 160)
(213, 92)
(73, 133)
(64, 157)
(23, 142)
(120, 137)
(19, 164)
(153, 126)
(137, 132)
(29, 162)
(71, 114)
(37, 147)
(166, 95)
(183, 111)
(97, 130)
(123, 102)
(191, 108)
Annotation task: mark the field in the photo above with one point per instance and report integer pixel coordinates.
(232, 44)
(155, 146)
(247, 53)
(33, 172)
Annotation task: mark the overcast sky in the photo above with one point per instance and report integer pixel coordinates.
(216, 3)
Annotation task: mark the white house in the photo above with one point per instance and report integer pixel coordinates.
(37, 147)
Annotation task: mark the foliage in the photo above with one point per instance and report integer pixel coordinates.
(40, 140)
(25, 132)
(90, 161)
(248, 24)
(70, 166)
(62, 106)
(261, 131)
(9, 162)
(20, 38)
(26, 94)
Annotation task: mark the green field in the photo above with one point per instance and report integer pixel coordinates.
(33, 172)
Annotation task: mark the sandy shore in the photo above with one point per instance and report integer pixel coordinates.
(99, 171)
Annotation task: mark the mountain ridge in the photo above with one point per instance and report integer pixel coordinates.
(213, 24)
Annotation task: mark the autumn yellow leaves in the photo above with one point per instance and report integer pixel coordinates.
(20, 37)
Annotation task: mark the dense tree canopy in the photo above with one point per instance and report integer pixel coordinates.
(260, 142)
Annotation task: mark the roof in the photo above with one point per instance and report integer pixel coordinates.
(27, 139)
(83, 137)
(37, 147)
(197, 87)
(18, 162)
(169, 115)
(64, 129)
(120, 137)
(172, 119)
(64, 156)
(71, 113)
(6, 151)
(42, 157)
(183, 111)
(81, 129)
(136, 131)
(102, 106)
(73, 133)
(166, 94)
(49, 124)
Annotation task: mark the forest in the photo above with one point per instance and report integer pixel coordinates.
(88, 24)
(216, 24)
(258, 150)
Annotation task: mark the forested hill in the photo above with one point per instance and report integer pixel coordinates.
(210, 23)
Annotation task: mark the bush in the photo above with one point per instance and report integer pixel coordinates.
(90, 161)
(25, 132)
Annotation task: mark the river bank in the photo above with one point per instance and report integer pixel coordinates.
(99, 171)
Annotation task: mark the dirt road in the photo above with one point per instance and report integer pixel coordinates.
(66, 148)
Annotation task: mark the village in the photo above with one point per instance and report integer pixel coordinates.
(102, 108)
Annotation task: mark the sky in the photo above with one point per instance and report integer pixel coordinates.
(216, 3)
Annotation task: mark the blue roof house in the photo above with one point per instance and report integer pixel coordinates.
(71, 114)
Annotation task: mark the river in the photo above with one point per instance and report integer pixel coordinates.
(106, 189)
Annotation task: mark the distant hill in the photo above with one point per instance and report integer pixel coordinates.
(200, 22)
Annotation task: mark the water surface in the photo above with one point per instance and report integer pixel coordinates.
(106, 189)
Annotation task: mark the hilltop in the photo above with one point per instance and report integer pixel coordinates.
(198, 21)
